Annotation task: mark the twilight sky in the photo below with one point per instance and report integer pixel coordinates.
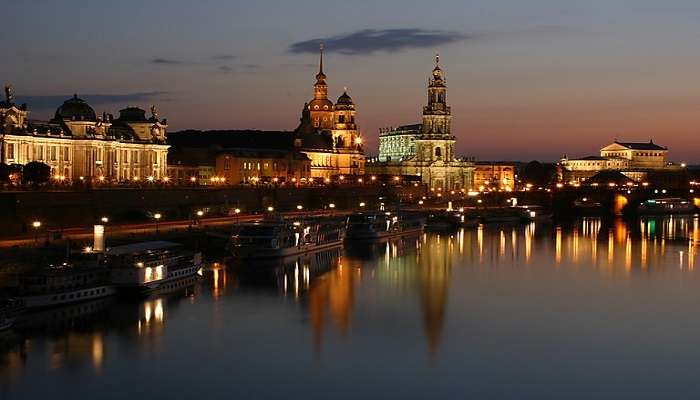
(527, 78)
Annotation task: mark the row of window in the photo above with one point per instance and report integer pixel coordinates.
(78, 295)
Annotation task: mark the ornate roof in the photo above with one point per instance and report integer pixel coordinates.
(75, 109)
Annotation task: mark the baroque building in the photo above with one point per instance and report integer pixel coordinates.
(426, 149)
(328, 132)
(79, 145)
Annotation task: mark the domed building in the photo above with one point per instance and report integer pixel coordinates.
(328, 133)
(80, 145)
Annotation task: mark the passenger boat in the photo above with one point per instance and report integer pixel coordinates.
(671, 205)
(274, 238)
(63, 284)
(378, 225)
(447, 220)
(148, 266)
(502, 215)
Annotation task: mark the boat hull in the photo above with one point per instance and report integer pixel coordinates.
(67, 297)
(252, 252)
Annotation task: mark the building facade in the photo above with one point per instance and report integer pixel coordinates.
(427, 149)
(494, 175)
(245, 166)
(328, 133)
(79, 145)
(633, 159)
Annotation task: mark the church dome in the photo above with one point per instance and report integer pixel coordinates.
(132, 114)
(75, 109)
(344, 99)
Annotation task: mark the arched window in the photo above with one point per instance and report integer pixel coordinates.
(341, 119)
(438, 152)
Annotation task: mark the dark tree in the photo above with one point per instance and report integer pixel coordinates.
(36, 173)
(5, 172)
(538, 174)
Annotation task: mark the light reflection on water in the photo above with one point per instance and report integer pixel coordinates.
(488, 312)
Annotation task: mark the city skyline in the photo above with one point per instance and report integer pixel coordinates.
(549, 80)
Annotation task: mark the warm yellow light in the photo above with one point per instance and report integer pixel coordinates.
(420, 202)
(560, 185)
(270, 209)
(157, 216)
(396, 178)
(104, 219)
(101, 178)
(237, 211)
(192, 179)
(166, 178)
(36, 224)
(150, 178)
(136, 178)
(362, 204)
(327, 180)
(200, 213)
(359, 180)
(341, 177)
(331, 205)
(374, 178)
(300, 207)
(358, 140)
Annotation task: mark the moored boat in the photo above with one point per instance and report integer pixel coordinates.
(147, 266)
(670, 205)
(282, 238)
(378, 225)
(63, 284)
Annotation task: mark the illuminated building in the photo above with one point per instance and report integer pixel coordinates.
(426, 149)
(634, 160)
(328, 133)
(77, 143)
(497, 175)
(252, 166)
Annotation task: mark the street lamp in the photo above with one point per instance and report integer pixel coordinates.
(362, 204)
(157, 217)
(36, 225)
(332, 205)
(104, 220)
(200, 213)
(270, 209)
(300, 207)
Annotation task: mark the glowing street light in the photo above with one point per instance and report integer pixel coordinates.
(200, 213)
(362, 204)
(36, 225)
(332, 205)
(300, 207)
(150, 178)
(270, 209)
(157, 217)
(104, 220)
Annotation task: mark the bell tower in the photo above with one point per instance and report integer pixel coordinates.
(436, 142)
(437, 114)
(321, 108)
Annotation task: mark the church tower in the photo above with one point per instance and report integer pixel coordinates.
(321, 108)
(436, 142)
(437, 114)
(345, 130)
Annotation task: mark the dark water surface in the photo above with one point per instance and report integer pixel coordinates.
(582, 310)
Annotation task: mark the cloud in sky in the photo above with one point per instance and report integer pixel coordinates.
(53, 101)
(227, 69)
(223, 57)
(368, 41)
(165, 61)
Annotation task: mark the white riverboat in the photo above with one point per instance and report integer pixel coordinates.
(63, 284)
(147, 266)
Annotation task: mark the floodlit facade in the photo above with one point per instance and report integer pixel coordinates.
(427, 149)
(633, 159)
(79, 145)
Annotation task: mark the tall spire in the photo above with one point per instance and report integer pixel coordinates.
(437, 59)
(320, 76)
